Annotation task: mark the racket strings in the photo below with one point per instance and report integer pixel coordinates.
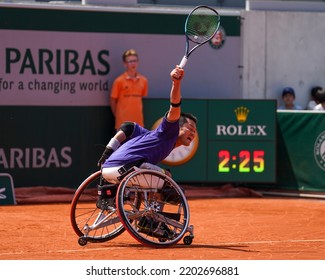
(202, 25)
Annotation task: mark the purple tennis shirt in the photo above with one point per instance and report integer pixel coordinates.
(152, 146)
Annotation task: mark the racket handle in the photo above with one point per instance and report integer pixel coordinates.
(183, 62)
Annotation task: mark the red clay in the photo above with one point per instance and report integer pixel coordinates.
(224, 228)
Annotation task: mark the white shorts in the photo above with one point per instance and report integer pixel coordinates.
(111, 174)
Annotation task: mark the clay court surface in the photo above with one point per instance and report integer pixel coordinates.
(225, 229)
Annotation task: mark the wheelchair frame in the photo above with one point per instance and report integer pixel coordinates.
(148, 204)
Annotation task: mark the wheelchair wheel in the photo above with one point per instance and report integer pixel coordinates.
(161, 218)
(90, 220)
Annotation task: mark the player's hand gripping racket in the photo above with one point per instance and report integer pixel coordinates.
(200, 26)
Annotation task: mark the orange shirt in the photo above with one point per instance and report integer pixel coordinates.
(129, 92)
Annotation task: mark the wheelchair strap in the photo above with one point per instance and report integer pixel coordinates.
(126, 168)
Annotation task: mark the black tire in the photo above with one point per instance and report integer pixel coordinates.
(84, 213)
(82, 241)
(188, 240)
(159, 220)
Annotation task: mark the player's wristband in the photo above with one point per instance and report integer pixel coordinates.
(176, 104)
(113, 144)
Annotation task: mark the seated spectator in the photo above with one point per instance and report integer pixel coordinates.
(288, 97)
(320, 95)
(313, 101)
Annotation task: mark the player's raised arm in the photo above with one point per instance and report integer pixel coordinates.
(174, 112)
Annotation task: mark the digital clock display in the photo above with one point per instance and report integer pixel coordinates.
(242, 161)
(246, 161)
(242, 141)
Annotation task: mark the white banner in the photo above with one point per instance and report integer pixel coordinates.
(47, 68)
(53, 68)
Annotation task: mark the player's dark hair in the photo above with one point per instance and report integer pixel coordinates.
(184, 117)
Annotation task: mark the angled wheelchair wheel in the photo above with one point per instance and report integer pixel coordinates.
(161, 217)
(94, 220)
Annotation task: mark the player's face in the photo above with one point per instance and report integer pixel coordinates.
(187, 132)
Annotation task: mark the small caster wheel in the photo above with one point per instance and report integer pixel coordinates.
(188, 240)
(82, 241)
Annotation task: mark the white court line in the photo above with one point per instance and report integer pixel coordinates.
(217, 245)
(306, 195)
(274, 241)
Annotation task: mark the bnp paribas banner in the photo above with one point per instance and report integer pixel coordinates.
(70, 56)
(53, 68)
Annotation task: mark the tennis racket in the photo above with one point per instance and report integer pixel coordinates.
(200, 26)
